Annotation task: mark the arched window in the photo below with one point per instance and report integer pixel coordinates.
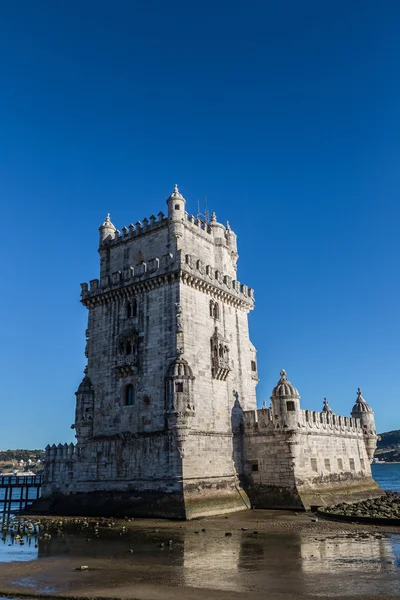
(134, 307)
(128, 310)
(129, 395)
(221, 350)
(211, 308)
(216, 310)
(129, 348)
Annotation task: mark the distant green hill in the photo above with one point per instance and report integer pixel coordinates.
(10, 460)
(388, 447)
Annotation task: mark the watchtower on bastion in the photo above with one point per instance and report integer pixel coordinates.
(166, 421)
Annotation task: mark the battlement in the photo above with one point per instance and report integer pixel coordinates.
(308, 420)
(193, 270)
(193, 266)
(134, 231)
(62, 452)
(205, 229)
(156, 266)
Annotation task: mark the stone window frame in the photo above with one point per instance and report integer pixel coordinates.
(129, 394)
(131, 308)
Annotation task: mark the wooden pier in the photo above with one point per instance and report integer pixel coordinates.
(15, 492)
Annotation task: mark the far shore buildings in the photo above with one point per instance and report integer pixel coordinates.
(166, 420)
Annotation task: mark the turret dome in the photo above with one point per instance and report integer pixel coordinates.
(180, 369)
(361, 406)
(107, 229)
(85, 385)
(284, 389)
(176, 195)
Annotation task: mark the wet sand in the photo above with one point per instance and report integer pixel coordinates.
(267, 554)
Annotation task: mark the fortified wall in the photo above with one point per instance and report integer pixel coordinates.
(301, 458)
(166, 421)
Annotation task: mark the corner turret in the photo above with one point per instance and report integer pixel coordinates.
(107, 230)
(285, 401)
(362, 411)
(84, 409)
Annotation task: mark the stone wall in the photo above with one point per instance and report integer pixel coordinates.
(320, 461)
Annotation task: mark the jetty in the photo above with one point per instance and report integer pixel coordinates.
(18, 492)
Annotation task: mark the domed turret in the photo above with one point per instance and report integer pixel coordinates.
(84, 412)
(179, 385)
(176, 205)
(360, 406)
(284, 389)
(176, 213)
(285, 402)
(363, 412)
(107, 230)
(180, 369)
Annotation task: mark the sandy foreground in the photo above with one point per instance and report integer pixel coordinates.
(124, 578)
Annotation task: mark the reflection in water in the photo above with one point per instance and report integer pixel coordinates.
(293, 563)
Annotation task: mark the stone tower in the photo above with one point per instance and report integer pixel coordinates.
(170, 368)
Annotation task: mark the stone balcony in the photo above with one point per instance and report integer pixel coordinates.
(126, 365)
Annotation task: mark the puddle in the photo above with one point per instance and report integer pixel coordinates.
(326, 565)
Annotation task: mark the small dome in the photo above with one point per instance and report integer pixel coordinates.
(180, 369)
(176, 195)
(107, 224)
(360, 405)
(284, 389)
(85, 386)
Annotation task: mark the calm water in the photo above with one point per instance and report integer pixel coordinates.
(387, 475)
(245, 562)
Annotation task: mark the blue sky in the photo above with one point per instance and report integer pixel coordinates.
(284, 114)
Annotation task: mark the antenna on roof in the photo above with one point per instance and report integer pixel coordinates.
(203, 217)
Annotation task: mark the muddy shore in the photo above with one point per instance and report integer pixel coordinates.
(252, 555)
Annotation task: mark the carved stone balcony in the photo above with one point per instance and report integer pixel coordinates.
(126, 365)
(220, 368)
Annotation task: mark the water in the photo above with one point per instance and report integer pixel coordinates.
(387, 476)
(244, 562)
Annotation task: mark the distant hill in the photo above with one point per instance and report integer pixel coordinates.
(388, 447)
(10, 460)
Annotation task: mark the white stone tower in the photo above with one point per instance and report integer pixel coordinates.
(169, 363)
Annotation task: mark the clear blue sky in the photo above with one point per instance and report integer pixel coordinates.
(285, 114)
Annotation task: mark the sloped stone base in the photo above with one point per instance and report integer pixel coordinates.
(335, 493)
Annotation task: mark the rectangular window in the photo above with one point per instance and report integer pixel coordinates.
(340, 464)
(254, 466)
(179, 386)
(314, 465)
(253, 365)
(290, 406)
(327, 464)
(177, 207)
(352, 464)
